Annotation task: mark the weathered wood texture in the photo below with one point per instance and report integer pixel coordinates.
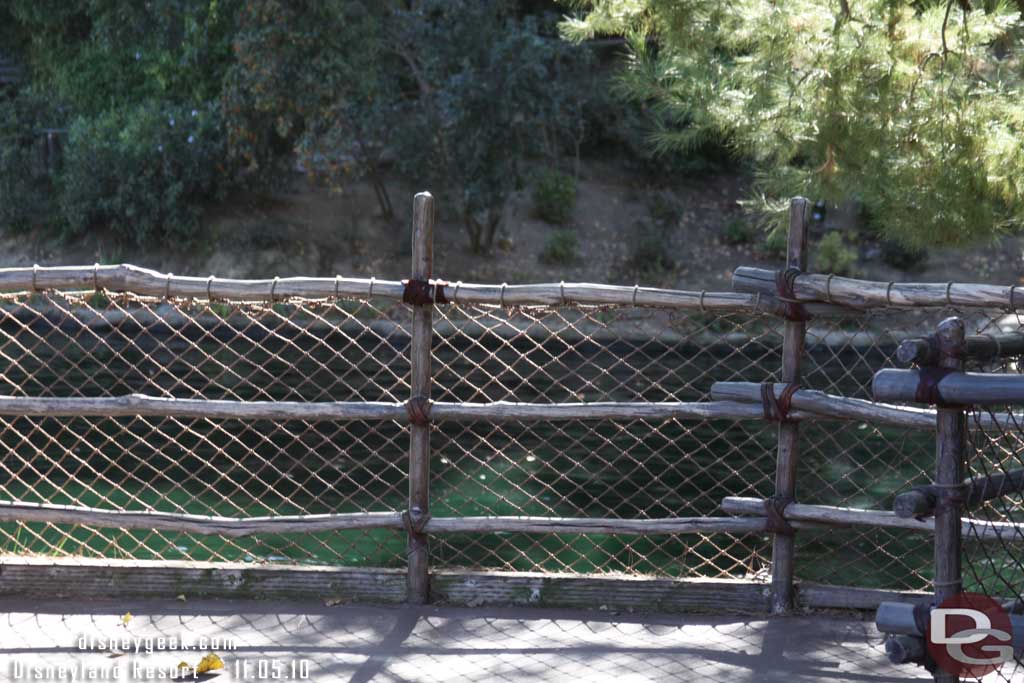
(719, 596)
(905, 649)
(30, 576)
(138, 404)
(828, 406)
(793, 339)
(194, 524)
(420, 349)
(924, 351)
(950, 461)
(498, 411)
(957, 388)
(920, 502)
(814, 516)
(247, 526)
(146, 282)
(898, 618)
(867, 294)
(89, 579)
(801, 515)
(824, 596)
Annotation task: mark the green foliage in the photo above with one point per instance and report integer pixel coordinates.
(485, 82)
(650, 240)
(911, 107)
(554, 197)
(774, 244)
(142, 172)
(834, 256)
(26, 185)
(663, 208)
(98, 56)
(902, 257)
(560, 248)
(306, 73)
(738, 231)
(145, 146)
(649, 254)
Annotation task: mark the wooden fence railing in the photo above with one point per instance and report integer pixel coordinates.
(795, 296)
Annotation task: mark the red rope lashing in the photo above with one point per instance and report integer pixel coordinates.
(424, 292)
(777, 408)
(792, 309)
(418, 408)
(775, 514)
(927, 391)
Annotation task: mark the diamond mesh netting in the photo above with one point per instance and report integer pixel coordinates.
(861, 465)
(96, 344)
(77, 345)
(598, 469)
(995, 567)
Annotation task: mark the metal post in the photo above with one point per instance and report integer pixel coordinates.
(788, 451)
(420, 373)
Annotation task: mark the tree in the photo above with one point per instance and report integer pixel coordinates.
(298, 65)
(912, 108)
(486, 84)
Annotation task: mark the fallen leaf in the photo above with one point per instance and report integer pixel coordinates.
(210, 662)
(126, 618)
(181, 596)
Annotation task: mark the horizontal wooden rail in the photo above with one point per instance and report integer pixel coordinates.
(57, 578)
(921, 501)
(925, 350)
(825, 405)
(956, 388)
(17, 511)
(498, 411)
(143, 281)
(247, 526)
(901, 618)
(815, 516)
(862, 294)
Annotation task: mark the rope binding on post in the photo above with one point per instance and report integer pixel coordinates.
(418, 408)
(792, 309)
(928, 379)
(775, 514)
(424, 292)
(775, 408)
(414, 527)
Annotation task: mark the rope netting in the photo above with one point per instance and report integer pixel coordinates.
(611, 469)
(863, 465)
(96, 344)
(995, 458)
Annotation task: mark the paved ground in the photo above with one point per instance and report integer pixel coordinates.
(356, 643)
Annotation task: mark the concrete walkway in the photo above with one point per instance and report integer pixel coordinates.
(358, 643)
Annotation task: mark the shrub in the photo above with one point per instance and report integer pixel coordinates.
(902, 257)
(737, 232)
(774, 245)
(648, 248)
(26, 185)
(663, 207)
(554, 197)
(560, 248)
(143, 172)
(833, 256)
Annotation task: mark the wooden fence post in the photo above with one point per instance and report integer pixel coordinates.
(950, 456)
(420, 374)
(789, 432)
